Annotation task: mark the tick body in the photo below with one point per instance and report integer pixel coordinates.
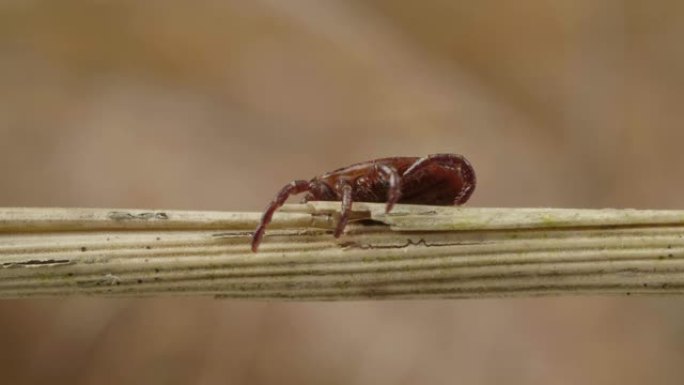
(439, 179)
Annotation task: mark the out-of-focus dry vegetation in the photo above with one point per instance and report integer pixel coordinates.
(216, 104)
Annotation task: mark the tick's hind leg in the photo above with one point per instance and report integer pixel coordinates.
(449, 163)
(294, 187)
(345, 190)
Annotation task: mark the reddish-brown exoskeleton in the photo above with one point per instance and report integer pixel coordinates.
(440, 179)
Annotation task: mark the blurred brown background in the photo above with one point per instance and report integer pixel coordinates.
(213, 105)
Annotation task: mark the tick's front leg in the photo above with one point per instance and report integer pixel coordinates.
(294, 187)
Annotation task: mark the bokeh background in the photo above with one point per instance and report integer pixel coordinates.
(213, 105)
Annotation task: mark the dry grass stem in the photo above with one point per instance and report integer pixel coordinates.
(413, 252)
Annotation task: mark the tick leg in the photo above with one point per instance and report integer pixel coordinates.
(394, 190)
(345, 190)
(294, 187)
(451, 162)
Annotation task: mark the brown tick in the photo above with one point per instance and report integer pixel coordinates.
(440, 179)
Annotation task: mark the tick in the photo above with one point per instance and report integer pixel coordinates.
(439, 179)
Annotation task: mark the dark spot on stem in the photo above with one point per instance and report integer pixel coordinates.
(126, 216)
(37, 262)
